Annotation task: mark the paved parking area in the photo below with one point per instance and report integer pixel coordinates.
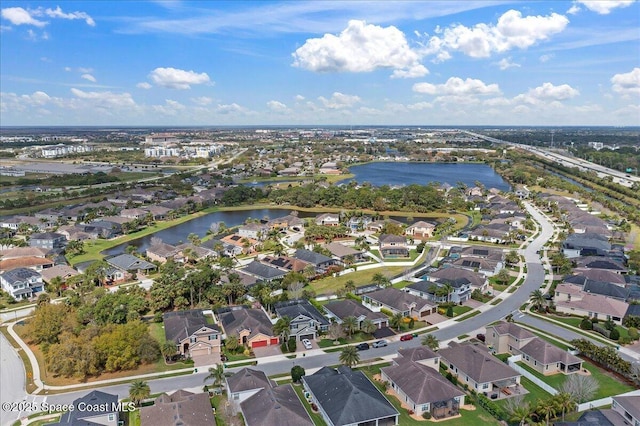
(473, 303)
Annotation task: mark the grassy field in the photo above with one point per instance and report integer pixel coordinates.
(331, 284)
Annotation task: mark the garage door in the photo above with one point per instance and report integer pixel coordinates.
(306, 336)
(275, 340)
(259, 344)
(199, 351)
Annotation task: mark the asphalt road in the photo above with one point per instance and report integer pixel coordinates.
(12, 379)
(533, 280)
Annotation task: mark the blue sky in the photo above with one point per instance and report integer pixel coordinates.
(320, 62)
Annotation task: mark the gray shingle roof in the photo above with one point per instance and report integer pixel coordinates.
(477, 363)
(630, 403)
(19, 274)
(312, 257)
(182, 324)
(263, 271)
(398, 299)
(421, 383)
(347, 396)
(181, 407)
(349, 308)
(127, 262)
(418, 353)
(101, 399)
(504, 328)
(294, 308)
(279, 406)
(248, 379)
(453, 273)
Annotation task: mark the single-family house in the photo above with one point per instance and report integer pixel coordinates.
(341, 309)
(47, 240)
(306, 320)
(419, 354)
(275, 406)
(597, 287)
(252, 327)
(105, 411)
(246, 245)
(318, 260)
(134, 213)
(285, 263)
(492, 233)
(192, 334)
(484, 265)
(423, 389)
(181, 407)
(158, 212)
(452, 274)
(286, 222)
(32, 262)
(246, 383)
(346, 397)
(599, 262)
(345, 255)
(572, 300)
(479, 251)
(63, 271)
(587, 244)
(628, 406)
(420, 230)
(392, 246)
(398, 301)
(480, 370)
(358, 223)
(129, 263)
(21, 283)
(161, 252)
(435, 291)
(20, 252)
(263, 272)
(328, 219)
(255, 231)
(378, 225)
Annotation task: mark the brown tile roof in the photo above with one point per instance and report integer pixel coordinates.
(418, 353)
(421, 383)
(182, 407)
(546, 353)
(24, 262)
(477, 363)
(597, 303)
(18, 252)
(62, 271)
(512, 329)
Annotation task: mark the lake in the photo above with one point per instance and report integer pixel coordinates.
(382, 173)
(401, 173)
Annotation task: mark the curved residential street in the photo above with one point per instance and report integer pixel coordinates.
(317, 358)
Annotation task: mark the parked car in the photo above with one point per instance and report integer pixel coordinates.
(380, 343)
(406, 337)
(307, 343)
(362, 346)
(480, 337)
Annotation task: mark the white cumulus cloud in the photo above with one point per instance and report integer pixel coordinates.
(144, 85)
(505, 63)
(547, 93)
(88, 77)
(601, 7)
(339, 101)
(170, 107)
(627, 83)
(58, 13)
(458, 87)
(360, 47)
(20, 16)
(480, 41)
(174, 78)
(277, 106)
(202, 100)
(105, 99)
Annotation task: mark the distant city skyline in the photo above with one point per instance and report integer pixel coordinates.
(206, 63)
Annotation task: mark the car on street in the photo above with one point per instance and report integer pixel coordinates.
(362, 346)
(307, 343)
(406, 337)
(380, 343)
(480, 337)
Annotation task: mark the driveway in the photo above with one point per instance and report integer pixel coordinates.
(207, 359)
(435, 319)
(267, 351)
(473, 303)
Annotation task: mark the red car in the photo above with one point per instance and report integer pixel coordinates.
(406, 337)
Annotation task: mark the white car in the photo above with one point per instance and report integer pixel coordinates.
(307, 343)
(380, 343)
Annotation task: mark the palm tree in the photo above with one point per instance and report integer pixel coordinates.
(396, 321)
(350, 325)
(349, 356)
(521, 414)
(537, 298)
(216, 374)
(565, 402)
(168, 349)
(55, 285)
(139, 391)
(368, 326)
(448, 289)
(350, 286)
(349, 260)
(282, 328)
(430, 341)
(548, 408)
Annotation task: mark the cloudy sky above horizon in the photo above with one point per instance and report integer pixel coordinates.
(213, 63)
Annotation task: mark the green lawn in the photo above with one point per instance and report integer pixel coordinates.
(331, 284)
(134, 418)
(401, 284)
(554, 380)
(471, 315)
(609, 385)
(459, 310)
(156, 329)
(575, 322)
